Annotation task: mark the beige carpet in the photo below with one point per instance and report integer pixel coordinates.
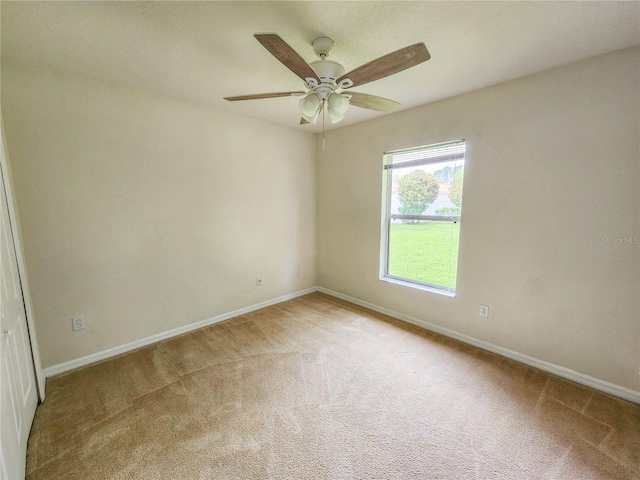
(316, 388)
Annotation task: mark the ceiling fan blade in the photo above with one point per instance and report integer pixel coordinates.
(394, 62)
(287, 55)
(258, 96)
(372, 102)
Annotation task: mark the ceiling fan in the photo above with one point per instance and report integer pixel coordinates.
(325, 80)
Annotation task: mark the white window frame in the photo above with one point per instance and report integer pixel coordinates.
(387, 216)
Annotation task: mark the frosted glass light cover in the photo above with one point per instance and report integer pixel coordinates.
(310, 107)
(337, 106)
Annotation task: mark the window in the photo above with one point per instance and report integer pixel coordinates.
(422, 205)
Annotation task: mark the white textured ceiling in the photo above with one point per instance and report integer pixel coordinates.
(203, 51)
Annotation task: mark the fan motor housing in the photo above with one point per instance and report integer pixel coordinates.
(327, 70)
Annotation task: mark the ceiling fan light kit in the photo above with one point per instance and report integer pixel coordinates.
(324, 79)
(310, 107)
(337, 106)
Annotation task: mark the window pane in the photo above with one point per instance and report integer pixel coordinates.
(434, 189)
(422, 212)
(426, 251)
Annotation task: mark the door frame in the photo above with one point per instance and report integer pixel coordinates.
(22, 268)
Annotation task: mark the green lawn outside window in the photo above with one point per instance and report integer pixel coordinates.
(424, 252)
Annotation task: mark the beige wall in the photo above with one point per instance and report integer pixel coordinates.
(552, 168)
(143, 213)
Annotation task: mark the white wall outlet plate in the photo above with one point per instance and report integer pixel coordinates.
(77, 323)
(258, 281)
(484, 311)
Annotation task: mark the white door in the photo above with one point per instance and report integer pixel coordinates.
(18, 396)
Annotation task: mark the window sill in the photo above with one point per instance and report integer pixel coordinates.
(417, 286)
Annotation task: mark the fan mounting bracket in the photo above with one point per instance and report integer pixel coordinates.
(322, 46)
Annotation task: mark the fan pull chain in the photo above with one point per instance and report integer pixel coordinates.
(323, 128)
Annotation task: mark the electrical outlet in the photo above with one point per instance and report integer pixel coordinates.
(77, 323)
(297, 272)
(258, 281)
(484, 311)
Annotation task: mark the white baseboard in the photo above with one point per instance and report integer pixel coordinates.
(596, 383)
(127, 347)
